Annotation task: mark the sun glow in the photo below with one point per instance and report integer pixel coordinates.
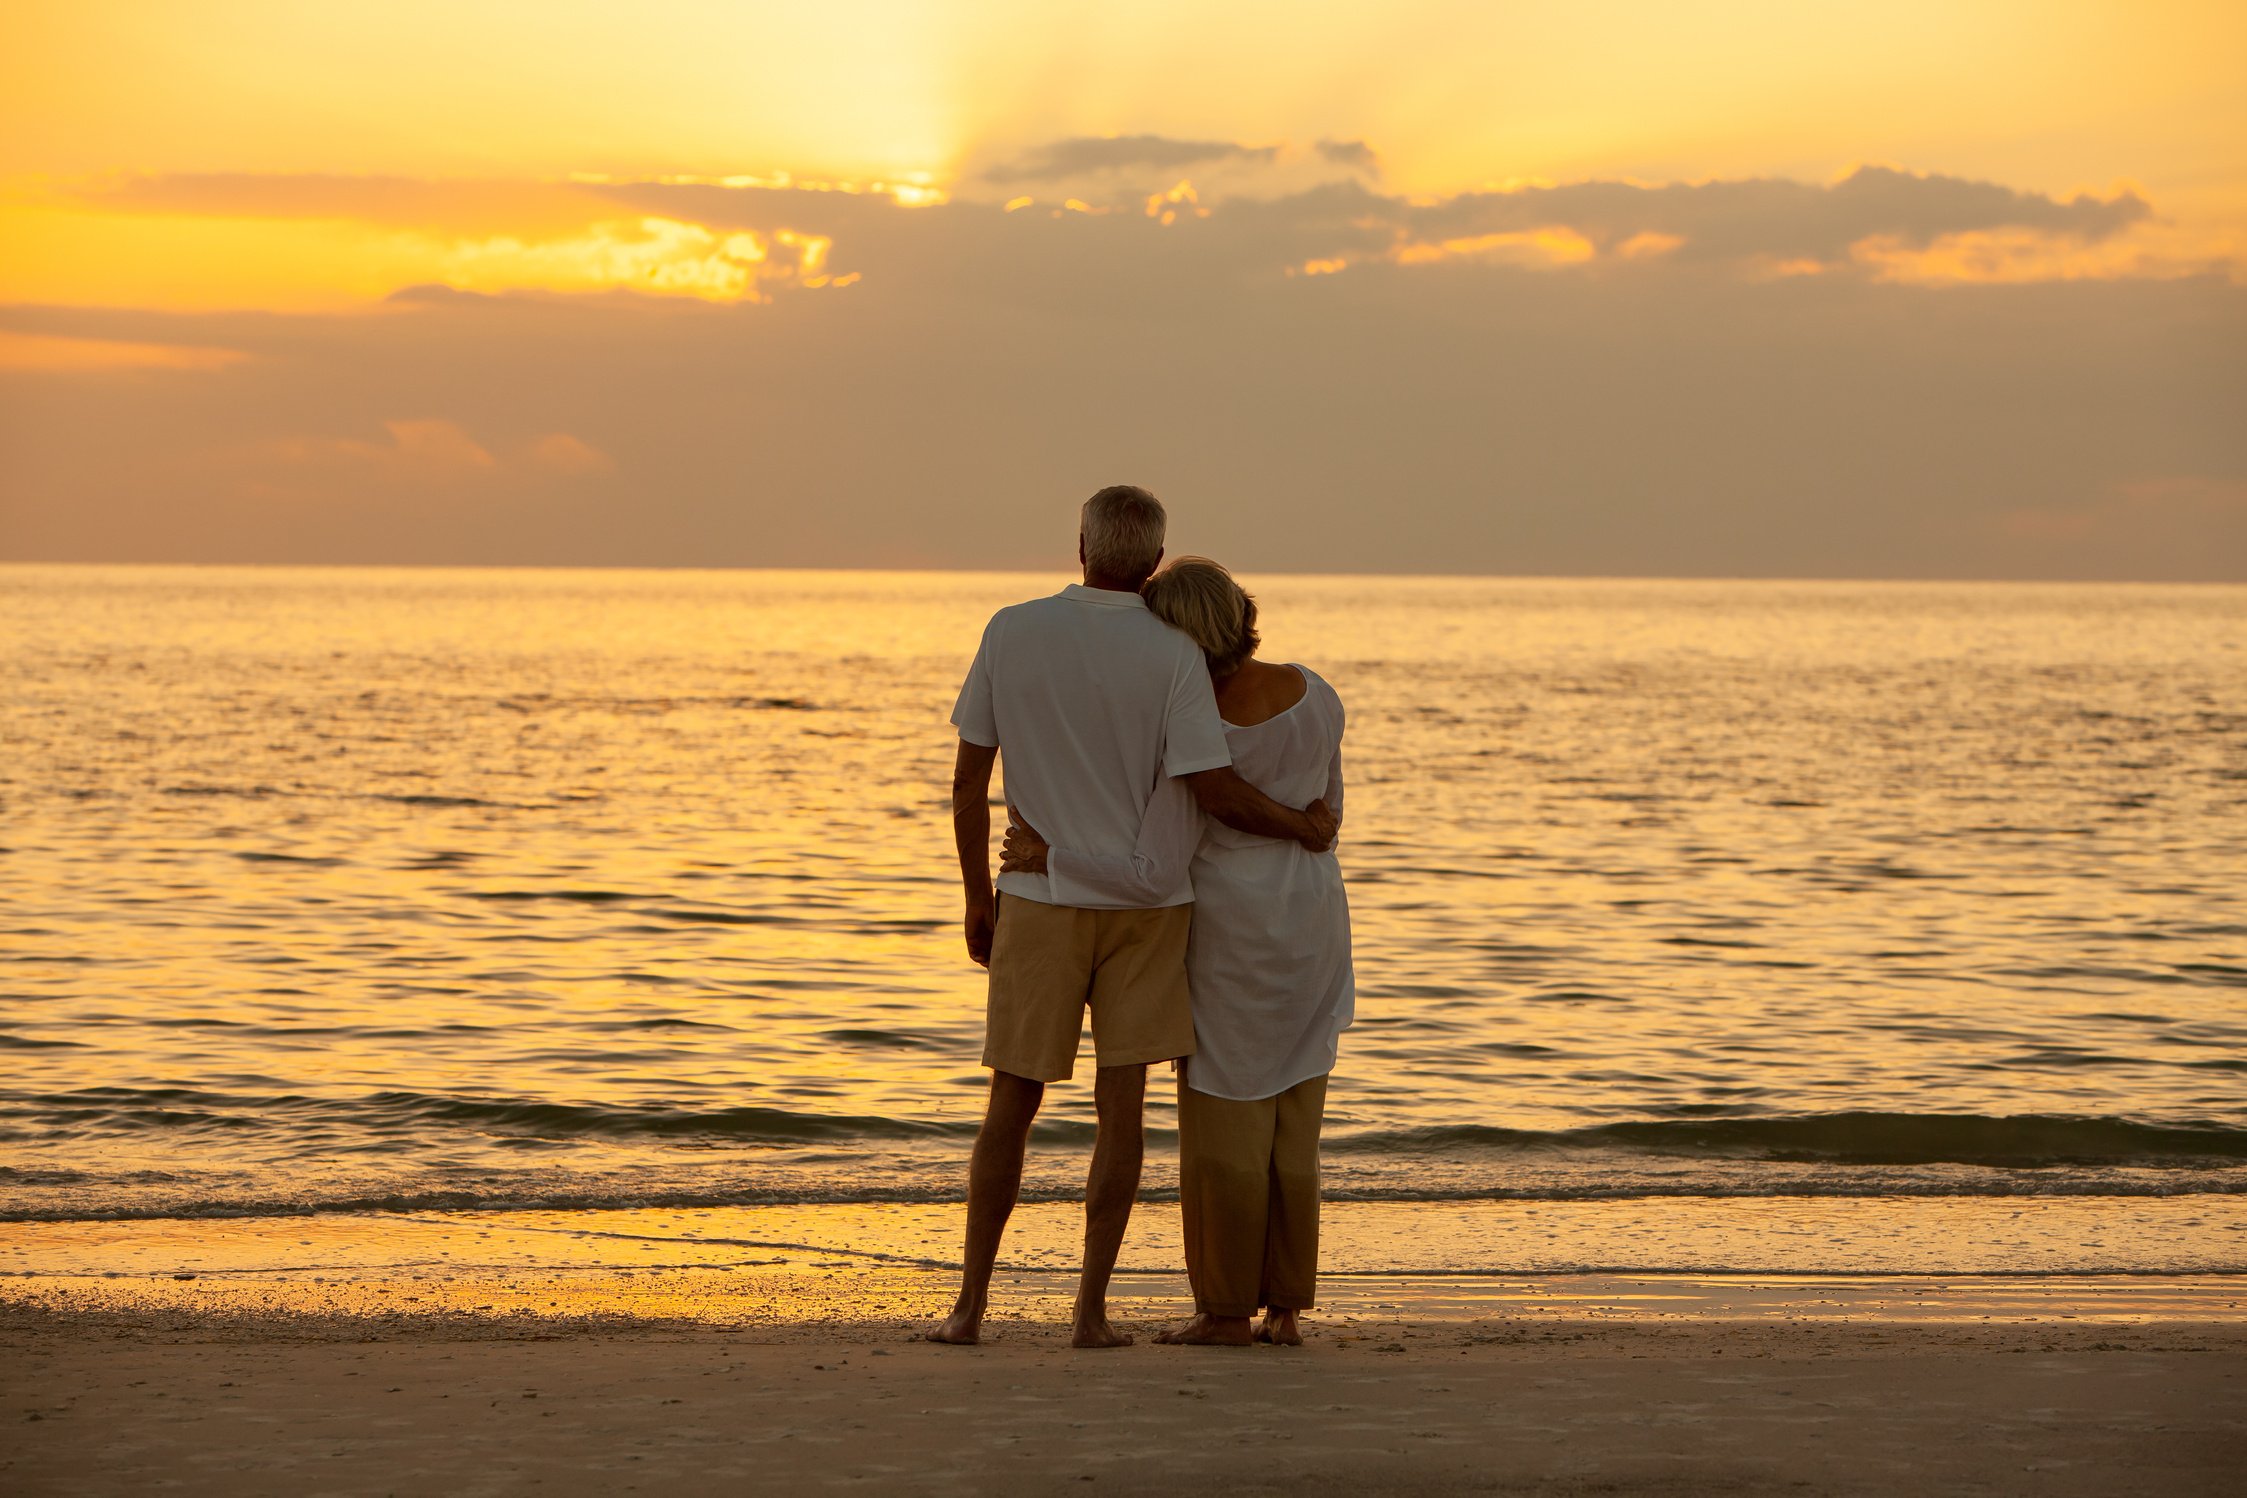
(1649, 245)
(2015, 257)
(1165, 207)
(514, 153)
(1535, 247)
(656, 255)
(69, 254)
(917, 193)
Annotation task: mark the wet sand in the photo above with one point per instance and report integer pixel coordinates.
(1569, 1406)
(797, 1377)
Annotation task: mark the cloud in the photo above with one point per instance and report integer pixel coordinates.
(1992, 257)
(420, 450)
(1456, 416)
(1921, 207)
(2164, 525)
(659, 256)
(2134, 509)
(474, 236)
(1087, 156)
(560, 453)
(1876, 222)
(1247, 211)
(39, 351)
(1777, 221)
(1354, 154)
(1726, 378)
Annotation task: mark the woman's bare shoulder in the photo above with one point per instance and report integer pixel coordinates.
(1259, 692)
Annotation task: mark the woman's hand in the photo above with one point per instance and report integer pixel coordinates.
(1024, 851)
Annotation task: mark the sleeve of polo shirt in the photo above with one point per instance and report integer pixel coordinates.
(1193, 734)
(973, 714)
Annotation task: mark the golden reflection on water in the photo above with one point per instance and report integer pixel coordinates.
(339, 881)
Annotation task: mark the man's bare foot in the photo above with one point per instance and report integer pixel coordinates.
(1098, 1333)
(963, 1328)
(1209, 1331)
(1279, 1329)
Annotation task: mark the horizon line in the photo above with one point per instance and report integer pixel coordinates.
(10, 563)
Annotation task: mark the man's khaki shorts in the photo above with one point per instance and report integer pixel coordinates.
(1049, 962)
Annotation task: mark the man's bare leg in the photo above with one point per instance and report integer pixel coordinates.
(994, 1180)
(1119, 1097)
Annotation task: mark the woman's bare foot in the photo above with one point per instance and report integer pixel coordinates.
(1209, 1331)
(1098, 1334)
(963, 1328)
(1279, 1329)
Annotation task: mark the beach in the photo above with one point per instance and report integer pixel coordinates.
(794, 1381)
(463, 1354)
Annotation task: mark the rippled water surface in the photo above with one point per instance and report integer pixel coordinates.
(344, 886)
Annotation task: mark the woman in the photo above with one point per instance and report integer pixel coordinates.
(1268, 964)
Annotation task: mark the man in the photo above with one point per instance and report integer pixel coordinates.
(1093, 701)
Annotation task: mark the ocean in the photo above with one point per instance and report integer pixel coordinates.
(360, 891)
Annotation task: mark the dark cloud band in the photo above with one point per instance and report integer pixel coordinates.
(1088, 156)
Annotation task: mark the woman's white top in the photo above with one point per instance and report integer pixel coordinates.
(1268, 960)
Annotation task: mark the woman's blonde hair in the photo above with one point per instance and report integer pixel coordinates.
(1200, 598)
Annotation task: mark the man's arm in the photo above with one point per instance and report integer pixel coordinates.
(1231, 800)
(971, 830)
(1169, 830)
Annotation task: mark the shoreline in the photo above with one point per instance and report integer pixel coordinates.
(1771, 1236)
(807, 1278)
(814, 1271)
(795, 1305)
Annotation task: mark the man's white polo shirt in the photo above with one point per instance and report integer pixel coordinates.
(1090, 701)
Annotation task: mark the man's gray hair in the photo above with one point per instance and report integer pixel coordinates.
(1123, 532)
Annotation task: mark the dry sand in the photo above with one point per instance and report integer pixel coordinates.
(796, 1379)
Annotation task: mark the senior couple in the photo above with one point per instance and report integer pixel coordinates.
(1173, 804)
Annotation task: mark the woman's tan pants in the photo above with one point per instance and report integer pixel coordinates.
(1248, 1177)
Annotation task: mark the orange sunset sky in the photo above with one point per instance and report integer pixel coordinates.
(1896, 289)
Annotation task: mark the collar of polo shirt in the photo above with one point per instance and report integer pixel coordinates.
(1106, 597)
